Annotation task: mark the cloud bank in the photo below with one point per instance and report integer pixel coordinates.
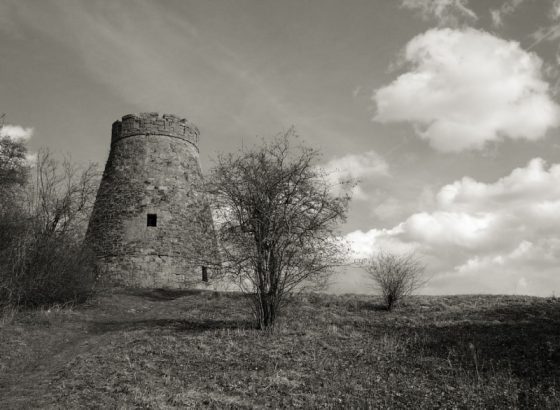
(484, 237)
(467, 87)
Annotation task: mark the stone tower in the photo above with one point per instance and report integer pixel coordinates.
(151, 225)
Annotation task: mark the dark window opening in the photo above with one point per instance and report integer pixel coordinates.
(152, 220)
(204, 274)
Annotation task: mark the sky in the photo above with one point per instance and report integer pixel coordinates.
(446, 111)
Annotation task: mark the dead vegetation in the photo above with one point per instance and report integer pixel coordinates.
(44, 209)
(161, 349)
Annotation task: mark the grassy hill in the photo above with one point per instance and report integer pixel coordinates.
(161, 349)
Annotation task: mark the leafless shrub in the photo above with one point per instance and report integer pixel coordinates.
(41, 270)
(62, 196)
(396, 276)
(276, 221)
(42, 259)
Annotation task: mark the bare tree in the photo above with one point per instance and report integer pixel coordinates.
(62, 194)
(44, 261)
(276, 220)
(14, 171)
(396, 276)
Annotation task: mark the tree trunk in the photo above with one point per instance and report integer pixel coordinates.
(267, 311)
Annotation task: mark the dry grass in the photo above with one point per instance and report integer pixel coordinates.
(156, 349)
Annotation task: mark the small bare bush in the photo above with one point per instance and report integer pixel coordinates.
(396, 276)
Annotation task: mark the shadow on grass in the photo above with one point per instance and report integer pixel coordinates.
(178, 325)
(371, 306)
(164, 295)
(509, 338)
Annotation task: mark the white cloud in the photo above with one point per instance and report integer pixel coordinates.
(484, 237)
(446, 12)
(507, 8)
(355, 168)
(529, 185)
(16, 132)
(520, 206)
(363, 245)
(497, 20)
(449, 228)
(555, 11)
(468, 87)
(530, 267)
(358, 165)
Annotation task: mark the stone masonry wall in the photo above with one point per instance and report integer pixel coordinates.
(153, 168)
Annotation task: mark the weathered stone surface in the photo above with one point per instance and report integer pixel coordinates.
(153, 168)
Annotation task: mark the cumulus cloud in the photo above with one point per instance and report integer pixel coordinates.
(468, 87)
(355, 168)
(445, 12)
(364, 245)
(484, 237)
(16, 132)
(529, 268)
(528, 185)
(469, 231)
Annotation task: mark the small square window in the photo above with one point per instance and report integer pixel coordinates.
(152, 219)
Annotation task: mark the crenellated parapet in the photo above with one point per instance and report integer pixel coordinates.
(152, 123)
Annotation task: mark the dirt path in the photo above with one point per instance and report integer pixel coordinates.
(36, 348)
(33, 382)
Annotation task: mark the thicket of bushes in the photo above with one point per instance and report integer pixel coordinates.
(44, 209)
